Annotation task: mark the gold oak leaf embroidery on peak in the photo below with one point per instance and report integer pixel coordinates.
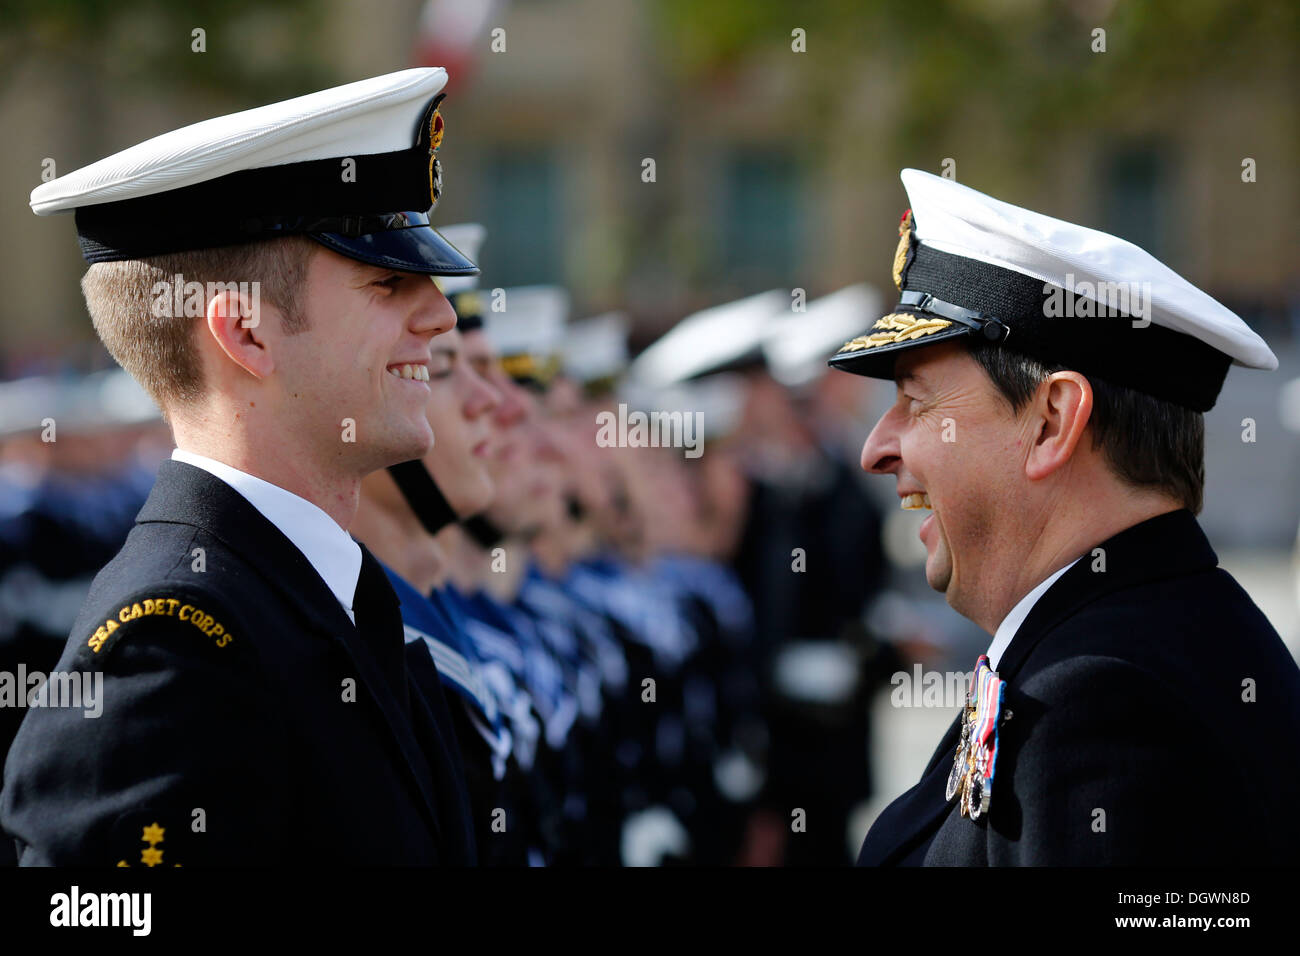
(895, 327)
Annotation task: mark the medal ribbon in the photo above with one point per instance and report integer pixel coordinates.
(989, 689)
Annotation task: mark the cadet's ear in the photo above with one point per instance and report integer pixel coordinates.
(1063, 405)
(236, 323)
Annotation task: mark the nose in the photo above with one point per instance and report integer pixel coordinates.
(513, 407)
(545, 443)
(483, 398)
(881, 454)
(432, 314)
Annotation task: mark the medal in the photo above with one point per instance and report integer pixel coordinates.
(971, 779)
(960, 760)
(958, 763)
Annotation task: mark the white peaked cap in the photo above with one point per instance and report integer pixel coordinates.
(106, 399)
(797, 345)
(711, 340)
(370, 116)
(959, 220)
(468, 238)
(719, 397)
(531, 322)
(355, 168)
(972, 267)
(596, 348)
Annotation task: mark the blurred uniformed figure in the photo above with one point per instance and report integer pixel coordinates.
(710, 739)
(78, 454)
(811, 514)
(258, 706)
(1134, 706)
(809, 556)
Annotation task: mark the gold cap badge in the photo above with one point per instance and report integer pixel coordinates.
(904, 247)
(435, 168)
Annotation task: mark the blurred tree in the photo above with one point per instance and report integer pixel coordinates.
(254, 50)
(1031, 61)
(70, 71)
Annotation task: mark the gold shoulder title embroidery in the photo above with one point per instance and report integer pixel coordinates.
(167, 607)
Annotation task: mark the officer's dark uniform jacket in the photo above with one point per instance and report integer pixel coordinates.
(246, 720)
(1155, 719)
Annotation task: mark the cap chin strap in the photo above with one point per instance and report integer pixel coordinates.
(433, 509)
(990, 328)
(484, 532)
(423, 495)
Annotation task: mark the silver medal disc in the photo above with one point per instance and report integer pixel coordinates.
(958, 771)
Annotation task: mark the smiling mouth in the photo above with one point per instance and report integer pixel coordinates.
(417, 373)
(917, 501)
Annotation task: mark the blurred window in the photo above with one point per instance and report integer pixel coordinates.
(519, 196)
(1135, 188)
(762, 240)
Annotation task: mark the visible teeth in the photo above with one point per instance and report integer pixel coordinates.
(917, 501)
(419, 373)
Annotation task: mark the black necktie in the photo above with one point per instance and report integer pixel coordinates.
(379, 625)
(379, 622)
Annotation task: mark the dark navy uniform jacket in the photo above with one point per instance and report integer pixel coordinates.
(1155, 720)
(246, 720)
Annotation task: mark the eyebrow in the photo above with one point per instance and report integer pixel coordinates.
(363, 271)
(910, 376)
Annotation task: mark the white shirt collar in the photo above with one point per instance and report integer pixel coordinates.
(1011, 623)
(330, 549)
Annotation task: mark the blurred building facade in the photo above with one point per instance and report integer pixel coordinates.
(772, 167)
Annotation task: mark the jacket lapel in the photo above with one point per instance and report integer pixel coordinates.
(184, 494)
(903, 829)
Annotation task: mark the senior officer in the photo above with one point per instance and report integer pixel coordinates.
(265, 276)
(1135, 706)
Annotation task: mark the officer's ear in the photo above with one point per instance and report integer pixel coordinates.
(237, 323)
(1063, 406)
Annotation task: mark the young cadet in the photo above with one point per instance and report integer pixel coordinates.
(1135, 707)
(265, 277)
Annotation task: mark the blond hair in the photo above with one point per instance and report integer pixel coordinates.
(158, 350)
